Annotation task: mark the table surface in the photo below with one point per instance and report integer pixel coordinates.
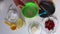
(4, 29)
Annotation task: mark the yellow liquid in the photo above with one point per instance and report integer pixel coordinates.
(12, 26)
(19, 23)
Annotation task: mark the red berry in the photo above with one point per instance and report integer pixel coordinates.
(49, 24)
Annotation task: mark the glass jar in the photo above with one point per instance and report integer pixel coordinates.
(34, 28)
